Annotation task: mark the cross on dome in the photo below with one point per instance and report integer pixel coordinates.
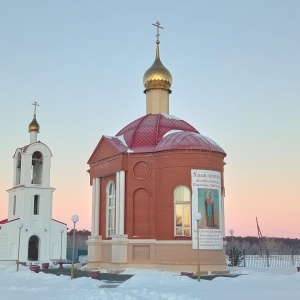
(158, 76)
(35, 105)
(157, 25)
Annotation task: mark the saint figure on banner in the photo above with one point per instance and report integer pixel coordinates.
(208, 206)
(209, 210)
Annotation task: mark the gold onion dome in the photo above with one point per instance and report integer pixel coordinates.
(157, 76)
(34, 125)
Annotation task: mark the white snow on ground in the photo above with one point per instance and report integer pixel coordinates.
(267, 283)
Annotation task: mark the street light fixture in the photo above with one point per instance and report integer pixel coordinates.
(231, 231)
(74, 219)
(61, 233)
(197, 216)
(20, 227)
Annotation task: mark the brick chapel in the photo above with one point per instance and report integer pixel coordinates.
(148, 180)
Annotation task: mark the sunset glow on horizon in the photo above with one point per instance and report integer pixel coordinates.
(235, 68)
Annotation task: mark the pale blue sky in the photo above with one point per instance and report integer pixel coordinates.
(235, 67)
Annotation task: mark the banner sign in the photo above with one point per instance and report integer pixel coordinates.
(206, 199)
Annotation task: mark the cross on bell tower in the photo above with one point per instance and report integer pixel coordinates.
(34, 127)
(35, 105)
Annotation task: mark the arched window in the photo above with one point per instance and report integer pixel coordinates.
(36, 204)
(182, 211)
(110, 209)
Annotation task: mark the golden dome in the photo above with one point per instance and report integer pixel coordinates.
(34, 125)
(157, 76)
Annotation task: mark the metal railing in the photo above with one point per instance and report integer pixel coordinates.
(269, 260)
(273, 261)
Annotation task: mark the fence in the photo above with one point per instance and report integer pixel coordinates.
(277, 260)
(77, 253)
(267, 260)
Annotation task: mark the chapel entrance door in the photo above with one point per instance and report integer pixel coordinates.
(33, 248)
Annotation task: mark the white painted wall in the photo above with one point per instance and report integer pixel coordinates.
(41, 225)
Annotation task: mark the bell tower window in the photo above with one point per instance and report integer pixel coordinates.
(37, 168)
(36, 204)
(18, 170)
(14, 205)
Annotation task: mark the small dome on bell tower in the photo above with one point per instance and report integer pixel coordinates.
(34, 126)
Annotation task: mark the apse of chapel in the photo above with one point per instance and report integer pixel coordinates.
(190, 158)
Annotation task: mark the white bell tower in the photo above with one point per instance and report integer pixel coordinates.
(30, 203)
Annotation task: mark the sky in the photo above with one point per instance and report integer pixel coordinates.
(260, 284)
(235, 68)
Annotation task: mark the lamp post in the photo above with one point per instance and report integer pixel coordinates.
(74, 219)
(231, 231)
(197, 216)
(20, 227)
(60, 263)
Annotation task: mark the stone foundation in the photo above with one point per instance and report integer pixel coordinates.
(121, 252)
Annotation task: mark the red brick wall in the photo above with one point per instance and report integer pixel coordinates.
(141, 214)
(150, 181)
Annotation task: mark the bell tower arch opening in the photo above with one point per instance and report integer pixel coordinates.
(18, 169)
(37, 168)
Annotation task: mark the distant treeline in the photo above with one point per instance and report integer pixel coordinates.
(81, 238)
(79, 232)
(254, 245)
(251, 245)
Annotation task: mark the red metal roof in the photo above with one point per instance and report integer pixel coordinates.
(188, 140)
(24, 148)
(149, 130)
(59, 222)
(160, 132)
(6, 221)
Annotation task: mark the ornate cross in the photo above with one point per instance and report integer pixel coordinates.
(35, 105)
(157, 25)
